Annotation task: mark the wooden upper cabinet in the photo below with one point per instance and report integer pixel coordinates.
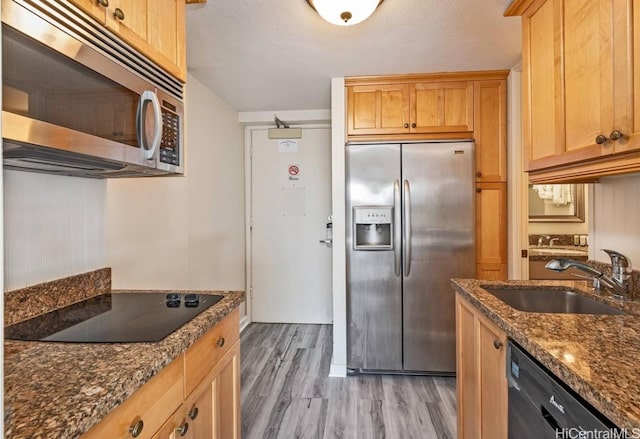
(156, 28)
(490, 130)
(378, 109)
(433, 106)
(580, 86)
(441, 107)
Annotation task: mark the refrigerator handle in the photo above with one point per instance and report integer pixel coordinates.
(407, 229)
(397, 235)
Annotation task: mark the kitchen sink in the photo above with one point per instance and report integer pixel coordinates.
(552, 301)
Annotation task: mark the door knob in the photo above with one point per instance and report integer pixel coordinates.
(413, 125)
(104, 3)
(136, 428)
(600, 139)
(118, 14)
(182, 430)
(193, 413)
(406, 125)
(616, 135)
(497, 344)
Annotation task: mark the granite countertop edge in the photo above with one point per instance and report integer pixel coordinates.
(61, 390)
(607, 379)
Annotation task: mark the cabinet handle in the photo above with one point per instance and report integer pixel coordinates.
(193, 413)
(478, 190)
(406, 125)
(104, 3)
(616, 135)
(182, 430)
(497, 344)
(413, 125)
(600, 139)
(136, 428)
(118, 14)
(478, 174)
(220, 342)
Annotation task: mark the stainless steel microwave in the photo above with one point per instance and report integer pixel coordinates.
(77, 100)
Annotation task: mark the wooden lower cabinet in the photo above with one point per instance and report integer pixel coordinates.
(184, 401)
(482, 387)
(212, 411)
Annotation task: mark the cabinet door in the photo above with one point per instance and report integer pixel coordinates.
(627, 75)
(467, 381)
(540, 113)
(93, 8)
(588, 75)
(493, 381)
(133, 24)
(441, 107)
(227, 397)
(166, 27)
(200, 412)
(490, 130)
(491, 229)
(377, 109)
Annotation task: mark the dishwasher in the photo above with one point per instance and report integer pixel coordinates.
(541, 406)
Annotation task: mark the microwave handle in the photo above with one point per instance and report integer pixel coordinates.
(151, 97)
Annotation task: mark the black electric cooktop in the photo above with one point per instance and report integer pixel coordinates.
(114, 318)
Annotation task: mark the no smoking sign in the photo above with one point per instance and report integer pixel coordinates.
(294, 170)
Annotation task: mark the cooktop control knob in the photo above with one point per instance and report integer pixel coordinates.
(191, 300)
(173, 300)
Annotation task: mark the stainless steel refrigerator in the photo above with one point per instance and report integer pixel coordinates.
(410, 229)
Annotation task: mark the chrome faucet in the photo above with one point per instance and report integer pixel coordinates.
(552, 241)
(620, 283)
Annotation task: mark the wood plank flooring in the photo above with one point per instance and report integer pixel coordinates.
(287, 393)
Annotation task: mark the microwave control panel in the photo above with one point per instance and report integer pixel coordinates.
(170, 138)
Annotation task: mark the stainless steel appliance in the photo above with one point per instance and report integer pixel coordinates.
(114, 318)
(411, 228)
(78, 101)
(541, 406)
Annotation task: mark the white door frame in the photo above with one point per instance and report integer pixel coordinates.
(518, 182)
(261, 121)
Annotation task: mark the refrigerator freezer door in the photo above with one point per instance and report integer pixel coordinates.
(374, 290)
(441, 245)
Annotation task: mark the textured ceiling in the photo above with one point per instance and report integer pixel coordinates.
(261, 55)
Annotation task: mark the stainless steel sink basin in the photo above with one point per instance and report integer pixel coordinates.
(552, 301)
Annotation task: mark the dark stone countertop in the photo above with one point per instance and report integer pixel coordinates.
(598, 356)
(61, 390)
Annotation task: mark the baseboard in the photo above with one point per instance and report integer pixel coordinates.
(338, 370)
(244, 322)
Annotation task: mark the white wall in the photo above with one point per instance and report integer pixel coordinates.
(616, 218)
(53, 227)
(185, 232)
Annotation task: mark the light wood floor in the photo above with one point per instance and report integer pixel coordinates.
(286, 392)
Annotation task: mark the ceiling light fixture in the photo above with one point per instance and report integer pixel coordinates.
(345, 12)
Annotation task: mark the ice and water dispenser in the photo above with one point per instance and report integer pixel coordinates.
(373, 227)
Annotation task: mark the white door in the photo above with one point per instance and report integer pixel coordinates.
(290, 203)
